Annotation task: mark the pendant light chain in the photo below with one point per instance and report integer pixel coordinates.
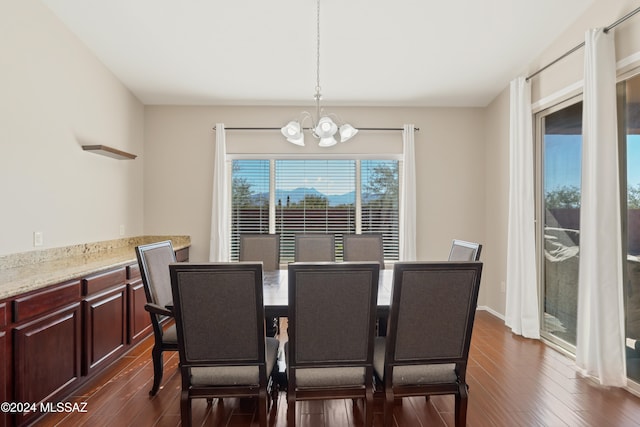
(318, 96)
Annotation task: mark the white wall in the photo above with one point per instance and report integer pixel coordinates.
(494, 254)
(569, 70)
(179, 152)
(54, 97)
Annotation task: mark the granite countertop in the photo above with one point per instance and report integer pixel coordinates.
(28, 271)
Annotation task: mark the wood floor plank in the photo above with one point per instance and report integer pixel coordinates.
(512, 382)
(342, 412)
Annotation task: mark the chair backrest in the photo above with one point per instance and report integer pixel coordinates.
(464, 251)
(154, 260)
(433, 307)
(332, 311)
(219, 313)
(315, 248)
(261, 247)
(363, 247)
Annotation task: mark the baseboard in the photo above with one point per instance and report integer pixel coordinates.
(492, 311)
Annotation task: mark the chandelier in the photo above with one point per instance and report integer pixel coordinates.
(325, 128)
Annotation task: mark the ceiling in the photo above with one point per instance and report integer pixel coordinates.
(372, 52)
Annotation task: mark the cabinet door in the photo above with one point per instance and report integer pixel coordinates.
(182, 255)
(5, 360)
(139, 318)
(105, 317)
(47, 357)
(4, 369)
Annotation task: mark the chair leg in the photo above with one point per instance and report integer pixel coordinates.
(156, 356)
(273, 394)
(388, 408)
(368, 408)
(185, 409)
(291, 408)
(461, 405)
(263, 403)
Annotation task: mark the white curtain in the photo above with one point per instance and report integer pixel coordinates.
(408, 197)
(600, 342)
(219, 244)
(522, 311)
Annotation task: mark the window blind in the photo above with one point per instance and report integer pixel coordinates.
(316, 196)
(380, 202)
(249, 200)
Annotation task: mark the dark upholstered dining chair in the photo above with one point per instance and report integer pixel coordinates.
(315, 248)
(265, 248)
(363, 247)
(261, 247)
(234, 358)
(366, 247)
(332, 308)
(464, 251)
(154, 260)
(431, 318)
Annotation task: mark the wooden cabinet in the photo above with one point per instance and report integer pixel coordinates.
(54, 339)
(104, 307)
(46, 345)
(5, 361)
(139, 319)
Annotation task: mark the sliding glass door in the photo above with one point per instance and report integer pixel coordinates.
(559, 146)
(629, 112)
(559, 157)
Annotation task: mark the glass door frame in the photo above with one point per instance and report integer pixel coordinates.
(539, 122)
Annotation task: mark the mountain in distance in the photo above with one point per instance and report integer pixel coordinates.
(298, 194)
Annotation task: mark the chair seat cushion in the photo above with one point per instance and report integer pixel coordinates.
(413, 374)
(327, 377)
(330, 377)
(235, 375)
(169, 336)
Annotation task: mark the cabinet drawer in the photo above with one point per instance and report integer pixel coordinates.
(101, 281)
(44, 301)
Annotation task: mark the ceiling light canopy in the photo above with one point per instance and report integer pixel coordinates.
(325, 128)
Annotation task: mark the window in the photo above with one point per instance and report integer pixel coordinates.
(560, 152)
(332, 196)
(314, 196)
(249, 200)
(380, 206)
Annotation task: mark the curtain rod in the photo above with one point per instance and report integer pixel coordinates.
(254, 128)
(606, 30)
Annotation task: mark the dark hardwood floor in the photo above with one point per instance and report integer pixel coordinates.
(513, 382)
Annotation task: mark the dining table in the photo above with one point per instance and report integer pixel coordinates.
(276, 293)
